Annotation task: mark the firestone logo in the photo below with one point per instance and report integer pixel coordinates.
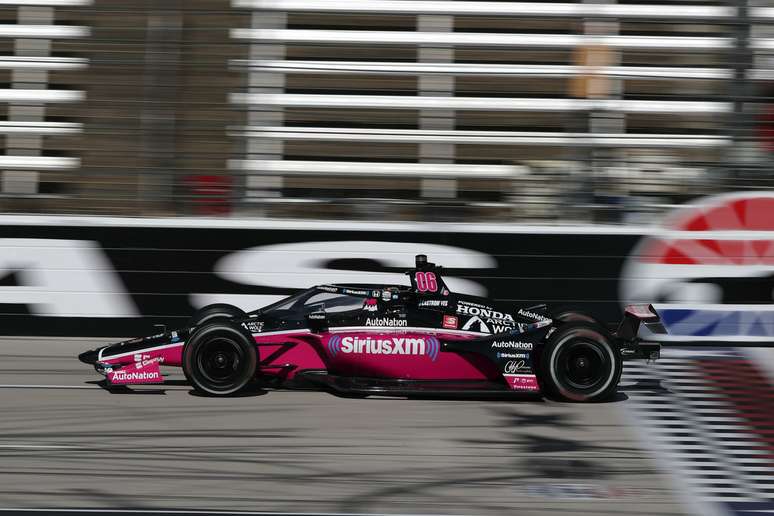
(429, 346)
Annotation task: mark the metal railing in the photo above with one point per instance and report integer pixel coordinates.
(25, 163)
(460, 110)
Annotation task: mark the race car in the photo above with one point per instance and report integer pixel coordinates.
(359, 340)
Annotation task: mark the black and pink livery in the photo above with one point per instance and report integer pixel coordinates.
(387, 339)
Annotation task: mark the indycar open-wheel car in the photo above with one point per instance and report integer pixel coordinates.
(416, 339)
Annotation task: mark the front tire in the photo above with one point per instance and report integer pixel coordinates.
(580, 363)
(220, 359)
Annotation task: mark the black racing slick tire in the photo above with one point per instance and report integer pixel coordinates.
(216, 311)
(220, 359)
(581, 363)
(567, 315)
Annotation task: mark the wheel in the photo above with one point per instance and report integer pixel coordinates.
(581, 363)
(217, 311)
(570, 315)
(220, 359)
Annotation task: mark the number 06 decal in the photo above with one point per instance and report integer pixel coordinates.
(426, 282)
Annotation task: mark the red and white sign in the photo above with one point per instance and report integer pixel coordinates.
(709, 269)
(451, 322)
(522, 382)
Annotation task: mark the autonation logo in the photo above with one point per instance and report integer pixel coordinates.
(429, 346)
(135, 376)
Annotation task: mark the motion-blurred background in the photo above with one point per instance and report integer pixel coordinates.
(587, 111)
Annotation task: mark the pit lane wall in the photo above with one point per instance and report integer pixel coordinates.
(117, 277)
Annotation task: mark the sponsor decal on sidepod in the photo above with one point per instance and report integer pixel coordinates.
(434, 302)
(512, 355)
(522, 382)
(451, 322)
(532, 315)
(429, 346)
(470, 309)
(253, 326)
(511, 344)
(386, 321)
(515, 366)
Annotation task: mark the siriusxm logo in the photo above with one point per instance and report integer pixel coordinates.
(512, 355)
(429, 346)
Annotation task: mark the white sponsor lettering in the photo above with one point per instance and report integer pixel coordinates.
(470, 303)
(386, 321)
(355, 292)
(253, 326)
(376, 346)
(124, 376)
(484, 312)
(533, 315)
(303, 264)
(514, 366)
(511, 344)
(512, 355)
(476, 322)
(434, 302)
(63, 278)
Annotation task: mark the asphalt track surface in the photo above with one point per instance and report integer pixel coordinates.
(67, 443)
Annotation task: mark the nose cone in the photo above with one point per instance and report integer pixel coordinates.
(89, 357)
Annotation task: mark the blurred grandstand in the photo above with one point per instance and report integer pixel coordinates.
(586, 111)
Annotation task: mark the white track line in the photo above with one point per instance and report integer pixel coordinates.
(40, 446)
(224, 513)
(33, 386)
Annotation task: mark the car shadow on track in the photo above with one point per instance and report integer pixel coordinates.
(124, 389)
(504, 397)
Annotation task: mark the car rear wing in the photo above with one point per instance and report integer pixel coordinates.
(634, 317)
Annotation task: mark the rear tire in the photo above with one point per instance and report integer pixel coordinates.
(220, 359)
(580, 363)
(566, 314)
(570, 315)
(213, 312)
